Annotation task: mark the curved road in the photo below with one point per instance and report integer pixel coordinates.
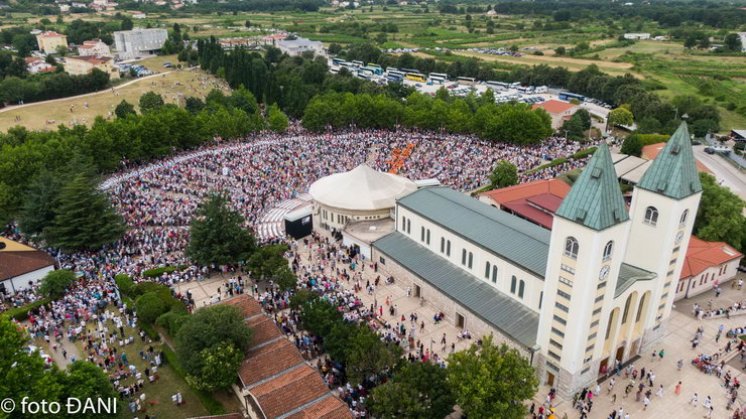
(726, 174)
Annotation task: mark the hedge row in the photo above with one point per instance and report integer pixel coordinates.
(156, 272)
(213, 406)
(21, 313)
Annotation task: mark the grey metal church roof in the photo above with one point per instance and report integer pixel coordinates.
(628, 275)
(519, 241)
(505, 314)
(674, 171)
(595, 199)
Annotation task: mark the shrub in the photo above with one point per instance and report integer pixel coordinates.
(581, 154)
(21, 313)
(171, 321)
(125, 283)
(55, 283)
(156, 272)
(150, 306)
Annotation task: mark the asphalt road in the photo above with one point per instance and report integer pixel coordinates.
(726, 174)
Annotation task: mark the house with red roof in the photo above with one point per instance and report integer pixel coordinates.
(707, 264)
(533, 201)
(21, 266)
(559, 110)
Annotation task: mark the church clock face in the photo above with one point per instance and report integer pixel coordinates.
(604, 273)
(679, 236)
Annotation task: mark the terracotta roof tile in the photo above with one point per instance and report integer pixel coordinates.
(701, 255)
(91, 59)
(225, 416)
(526, 190)
(554, 106)
(267, 361)
(329, 407)
(246, 304)
(16, 263)
(304, 384)
(651, 151)
(264, 330)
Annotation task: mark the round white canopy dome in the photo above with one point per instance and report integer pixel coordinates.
(361, 189)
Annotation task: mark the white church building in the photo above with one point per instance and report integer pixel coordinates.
(595, 290)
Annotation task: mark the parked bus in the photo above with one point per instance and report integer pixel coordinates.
(437, 80)
(497, 84)
(411, 70)
(374, 70)
(357, 63)
(466, 80)
(570, 96)
(439, 75)
(337, 61)
(416, 77)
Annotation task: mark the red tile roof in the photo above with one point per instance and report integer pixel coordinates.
(226, 416)
(17, 263)
(329, 407)
(50, 34)
(289, 391)
(535, 201)
(91, 59)
(702, 255)
(264, 330)
(267, 361)
(650, 152)
(246, 304)
(554, 106)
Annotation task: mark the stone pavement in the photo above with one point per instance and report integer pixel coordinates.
(677, 345)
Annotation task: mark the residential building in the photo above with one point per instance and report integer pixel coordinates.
(595, 290)
(94, 48)
(558, 110)
(21, 266)
(139, 42)
(78, 66)
(637, 36)
(36, 65)
(50, 41)
(298, 46)
(707, 264)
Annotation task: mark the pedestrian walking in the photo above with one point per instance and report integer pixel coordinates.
(660, 391)
(694, 400)
(677, 389)
(645, 403)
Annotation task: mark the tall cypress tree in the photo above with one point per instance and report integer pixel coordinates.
(84, 218)
(217, 235)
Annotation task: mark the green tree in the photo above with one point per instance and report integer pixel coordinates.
(285, 278)
(24, 373)
(124, 109)
(267, 260)
(276, 119)
(491, 381)
(194, 104)
(55, 283)
(84, 218)
(150, 101)
(732, 42)
(220, 364)
(632, 146)
(127, 24)
(417, 391)
(212, 328)
(503, 175)
(620, 116)
(720, 214)
(40, 202)
(83, 380)
(217, 234)
(149, 307)
(368, 355)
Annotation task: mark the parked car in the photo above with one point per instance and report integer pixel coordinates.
(709, 150)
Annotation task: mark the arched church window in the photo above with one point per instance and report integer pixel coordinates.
(684, 214)
(571, 247)
(608, 250)
(651, 216)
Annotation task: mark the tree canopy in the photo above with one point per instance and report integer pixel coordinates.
(55, 283)
(213, 337)
(218, 235)
(417, 391)
(491, 381)
(503, 175)
(720, 214)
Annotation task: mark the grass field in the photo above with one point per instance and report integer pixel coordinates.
(174, 86)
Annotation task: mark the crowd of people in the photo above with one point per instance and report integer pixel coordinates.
(158, 201)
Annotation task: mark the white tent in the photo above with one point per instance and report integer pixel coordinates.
(361, 189)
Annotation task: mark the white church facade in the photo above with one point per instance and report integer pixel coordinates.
(593, 292)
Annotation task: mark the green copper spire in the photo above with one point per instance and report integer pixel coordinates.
(595, 199)
(674, 172)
